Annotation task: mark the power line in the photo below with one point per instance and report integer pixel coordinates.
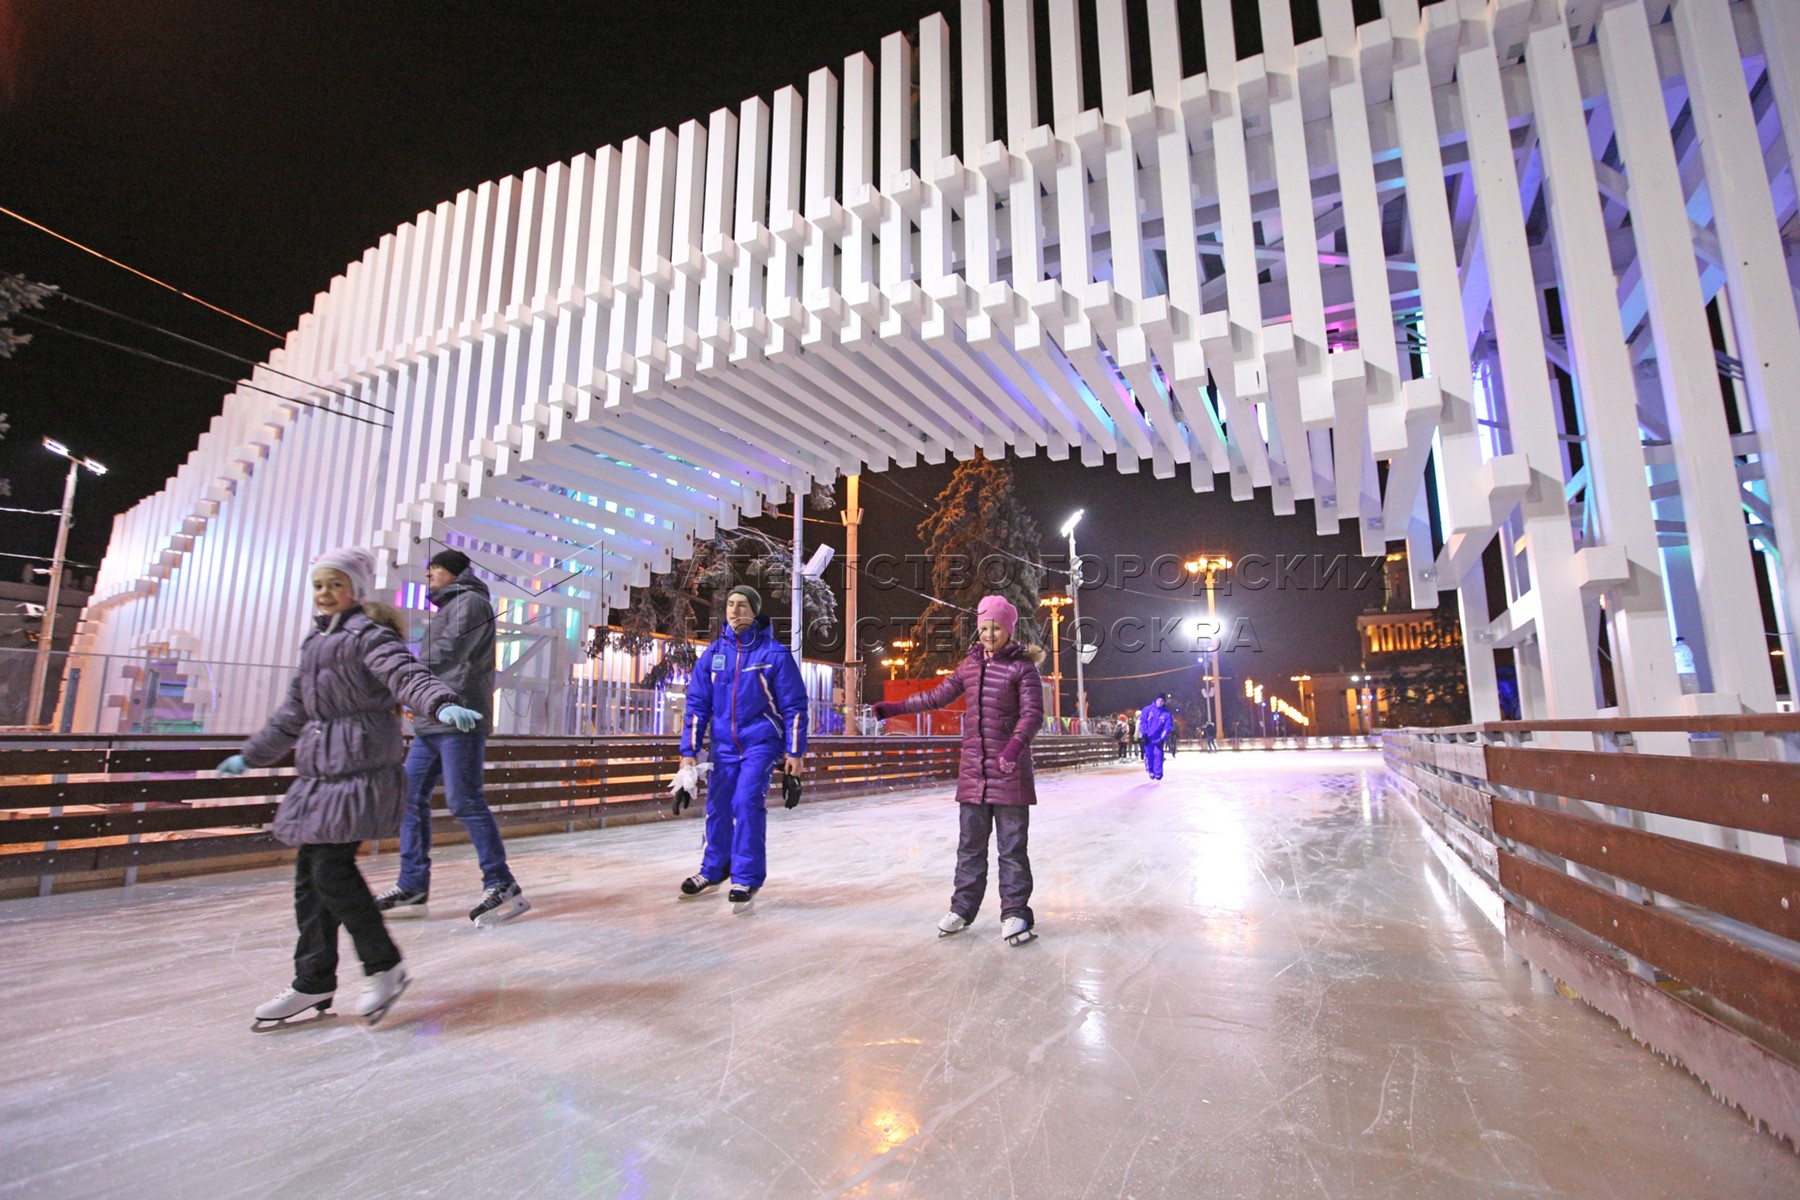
(140, 274)
(181, 366)
(238, 358)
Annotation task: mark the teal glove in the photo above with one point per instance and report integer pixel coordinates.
(465, 719)
(235, 765)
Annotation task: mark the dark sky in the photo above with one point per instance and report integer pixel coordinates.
(247, 150)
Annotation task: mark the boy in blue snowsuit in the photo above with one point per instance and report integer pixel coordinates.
(749, 689)
(1156, 721)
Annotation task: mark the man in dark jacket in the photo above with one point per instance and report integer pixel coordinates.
(747, 690)
(458, 648)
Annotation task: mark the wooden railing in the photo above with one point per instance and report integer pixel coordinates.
(112, 805)
(1651, 866)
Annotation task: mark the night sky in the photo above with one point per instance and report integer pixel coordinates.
(246, 151)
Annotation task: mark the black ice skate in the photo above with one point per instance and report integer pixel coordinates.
(741, 898)
(500, 905)
(385, 987)
(1017, 932)
(693, 885)
(292, 1008)
(402, 902)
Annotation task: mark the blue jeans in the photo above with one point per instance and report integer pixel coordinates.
(457, 758)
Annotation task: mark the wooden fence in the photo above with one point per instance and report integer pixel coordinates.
(102, 808)
(1652, 866)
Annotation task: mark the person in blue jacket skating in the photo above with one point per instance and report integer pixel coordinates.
(1157, 722)
(747, 687)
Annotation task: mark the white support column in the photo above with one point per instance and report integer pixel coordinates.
(1642, 654)
(1562, 650)
(1756, 269)
(1685, 365)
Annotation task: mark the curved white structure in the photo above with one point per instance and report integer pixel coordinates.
(1474, 242)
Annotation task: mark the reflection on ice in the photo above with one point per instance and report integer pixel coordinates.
(1233, 995)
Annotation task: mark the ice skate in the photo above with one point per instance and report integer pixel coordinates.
(693, 885)
(402, 902)
(950, 923)
(384, 988)
(291, 1008)
(1017, 931)
(500, 905)
(741, 899)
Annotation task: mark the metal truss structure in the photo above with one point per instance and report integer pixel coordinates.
(1499, 277)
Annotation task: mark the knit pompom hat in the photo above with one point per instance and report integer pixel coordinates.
(355, 564)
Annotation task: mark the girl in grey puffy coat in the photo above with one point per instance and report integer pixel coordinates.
(340, 720)
(994, 785)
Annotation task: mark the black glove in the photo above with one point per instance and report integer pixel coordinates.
(790, 790)
(682, 800)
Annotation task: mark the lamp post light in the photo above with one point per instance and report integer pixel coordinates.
(1210, 565)
(1068, 531)
(1056, 604)
(40, 670)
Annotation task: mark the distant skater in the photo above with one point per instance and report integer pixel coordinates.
(1155, 724)
(341, 721)
(995, 788)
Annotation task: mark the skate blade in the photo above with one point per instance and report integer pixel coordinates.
(1020, 939)
(374, 1018)
(500, 916)
(407, 912)
(944, 933)
(297, 1021)
(742, 907)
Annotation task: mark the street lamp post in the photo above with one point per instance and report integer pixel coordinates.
(1068, 531)
(1056, 604)
(1210, 565)
(40, 670)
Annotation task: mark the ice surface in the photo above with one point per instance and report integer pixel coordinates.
(1253, 980)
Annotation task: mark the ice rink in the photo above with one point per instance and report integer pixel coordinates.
(1253, 980)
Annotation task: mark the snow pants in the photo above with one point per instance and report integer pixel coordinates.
(1153, 759)
(737, 816)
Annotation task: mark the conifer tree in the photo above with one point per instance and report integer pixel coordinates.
(979, 540)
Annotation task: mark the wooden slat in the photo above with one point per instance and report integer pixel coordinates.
(1763, 797)
(1749, 889)
(1722, 723)
(1756, 984)
(72, 826)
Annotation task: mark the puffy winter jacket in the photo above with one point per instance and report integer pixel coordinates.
(1156, 723)
(1005, 710)
(339, 720)
(458, 648)
(748, 688)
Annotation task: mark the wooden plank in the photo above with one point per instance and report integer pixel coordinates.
(1749, 889)
(17, 761)
(1763, 797)
(1759, 985)
(1721, 723)
(72, 826)
(142, 791)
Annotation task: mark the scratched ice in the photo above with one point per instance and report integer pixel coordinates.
(1254, 980)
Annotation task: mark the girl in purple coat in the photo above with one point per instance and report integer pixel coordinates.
(341, 721)
(994, 786)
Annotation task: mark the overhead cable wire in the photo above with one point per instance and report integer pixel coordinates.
(224, 312)
(181, 366)
(238, 358)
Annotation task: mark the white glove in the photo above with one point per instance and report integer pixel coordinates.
(686, 783)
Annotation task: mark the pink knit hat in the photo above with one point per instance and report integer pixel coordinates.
(997, 608)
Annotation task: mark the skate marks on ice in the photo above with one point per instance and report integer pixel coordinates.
(1255, 982)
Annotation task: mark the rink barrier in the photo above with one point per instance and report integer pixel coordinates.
(85, 806)
(1648, 866)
